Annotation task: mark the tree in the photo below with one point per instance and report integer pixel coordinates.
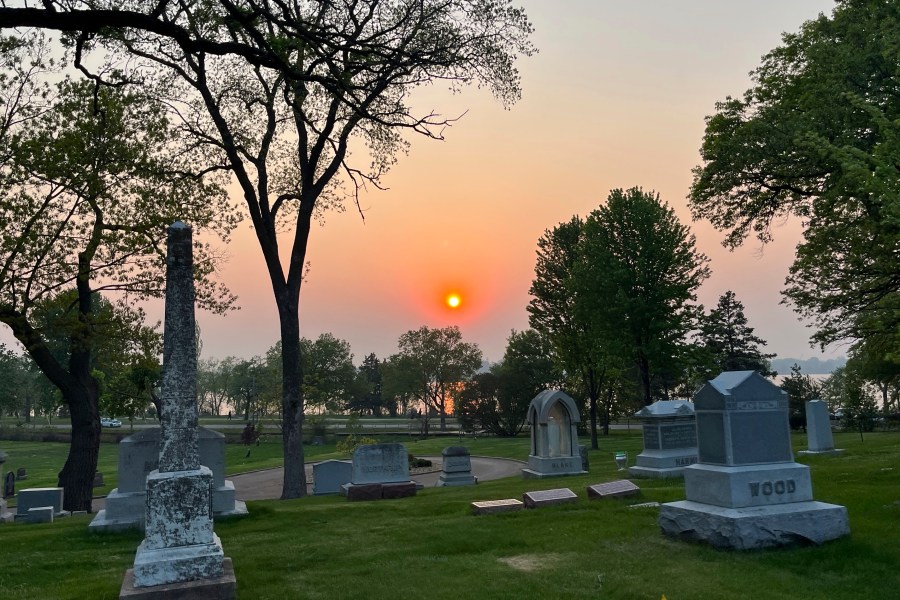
(438, 363)
(88, 186)
(367, 395)
(818, 137)
(498, 401)
(637, 282)
(578, 346)
(729, 340)
(848, 391)
(284, 90)
(328, 372)
(800, 389)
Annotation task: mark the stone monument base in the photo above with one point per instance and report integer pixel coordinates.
(656, 473)
(832, 452)
(540, 467)
(219, 588)
(452, 479)
(754, 527)
(176, 564)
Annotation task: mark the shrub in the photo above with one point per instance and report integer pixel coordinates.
(352, 442)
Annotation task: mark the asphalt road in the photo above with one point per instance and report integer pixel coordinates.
(266, 484)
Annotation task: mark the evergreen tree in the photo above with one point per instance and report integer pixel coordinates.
(729, 340)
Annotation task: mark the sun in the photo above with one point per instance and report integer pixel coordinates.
(453, 300)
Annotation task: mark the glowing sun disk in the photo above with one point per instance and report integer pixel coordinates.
(453, 300)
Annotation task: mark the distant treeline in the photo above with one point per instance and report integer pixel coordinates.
(808, 366)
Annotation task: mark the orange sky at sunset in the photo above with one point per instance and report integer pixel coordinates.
(616, 97)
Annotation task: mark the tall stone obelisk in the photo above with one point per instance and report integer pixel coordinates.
(179, 544)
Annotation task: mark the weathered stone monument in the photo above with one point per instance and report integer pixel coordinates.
(554, 419)
(330, 475)
(379, 471)
(457, 467)
(818, 429)
(179, 548)
(670, 439)
(139, 455)
(746, 491)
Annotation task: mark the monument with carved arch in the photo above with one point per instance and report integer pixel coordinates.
(554, 419)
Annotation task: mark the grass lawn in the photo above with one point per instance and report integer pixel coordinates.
(430, 546)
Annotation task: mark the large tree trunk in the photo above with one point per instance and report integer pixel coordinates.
(592, 394)
(644, 371)
(294, 485)
(77, 475)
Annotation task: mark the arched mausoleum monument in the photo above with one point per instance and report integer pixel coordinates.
(554, 419)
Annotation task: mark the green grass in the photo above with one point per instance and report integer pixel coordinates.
(430, 546)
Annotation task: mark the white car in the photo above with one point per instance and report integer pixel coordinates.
(107, 422)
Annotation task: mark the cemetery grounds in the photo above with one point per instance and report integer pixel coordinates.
(431, 546)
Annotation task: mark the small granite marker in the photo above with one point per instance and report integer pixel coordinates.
(457, 467)
(818, 430)
(613, 489)
(490, 507)
(548, 497)
(179, 547)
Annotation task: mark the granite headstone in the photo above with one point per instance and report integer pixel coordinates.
(746, 492)
(456, 468)
(670, 439)
(818, 430)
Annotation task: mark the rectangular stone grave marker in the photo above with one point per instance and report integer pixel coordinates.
(818, 429)
(39, 497)
(363, 491)
(490, 507)
(398, 490)
(613, 489)
(549, 497)
(330, 475)
(40, 514)
(380, 463)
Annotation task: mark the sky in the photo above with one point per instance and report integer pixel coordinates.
(615, 98)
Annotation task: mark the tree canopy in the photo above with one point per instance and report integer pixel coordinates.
(637, 283)
(730, 342)
(90, 178)
(437, 363)
(818, 137)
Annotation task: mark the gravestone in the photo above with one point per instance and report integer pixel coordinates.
(179, 544)
(138, 456)
(330, 475)
(746, 491)
(490, 507)
(554, 419)
(670, 439)
(456, 468)
(549, 497)
(380, 465)
(818, 430)
(98, 479)
(30, 498)
(5, 515)
(612, 489)
(21, 474)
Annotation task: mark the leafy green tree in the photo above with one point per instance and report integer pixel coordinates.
(284, 91)
(637, 283)
(498, 401)
(367, 393)
(847, 390)
(438, 363)
(818, 137)
(876, 360)
(398, 382)
(729, 341)
(800, 389)
(328, 372)
(578, 346)
(90, 184)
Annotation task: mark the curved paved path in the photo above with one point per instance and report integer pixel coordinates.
(265, 485)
